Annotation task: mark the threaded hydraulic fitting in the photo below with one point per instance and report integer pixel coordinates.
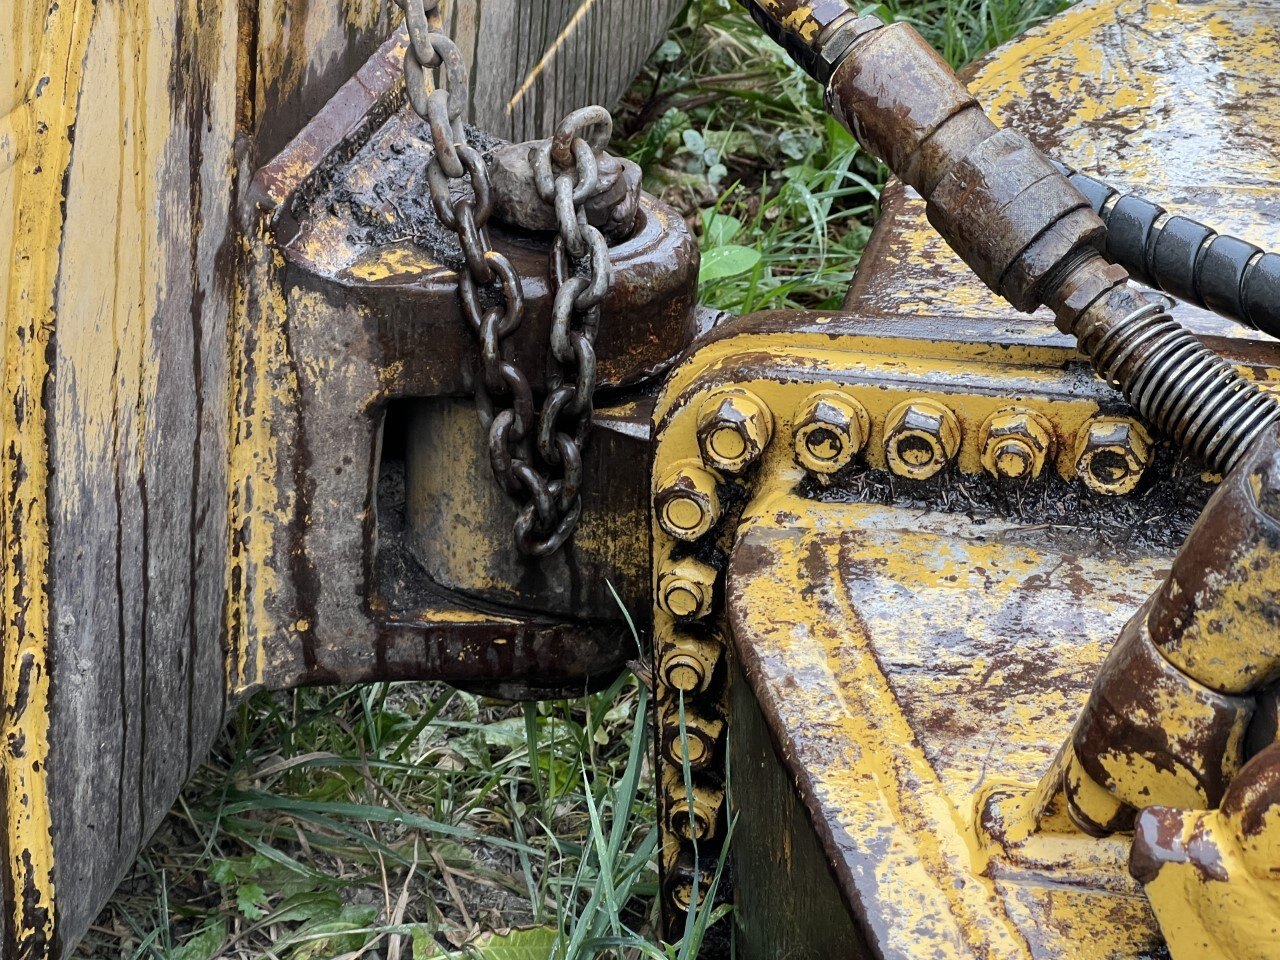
(1178, 384)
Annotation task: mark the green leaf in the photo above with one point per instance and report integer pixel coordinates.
(204, 945)
(223, 871)
(531, 943)
(694, 142)
(727, 261)
(309, 907)
(251, 900)
(668, 52)
(424, 945)
(321, 941)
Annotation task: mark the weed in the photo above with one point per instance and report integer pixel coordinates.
(735, 136)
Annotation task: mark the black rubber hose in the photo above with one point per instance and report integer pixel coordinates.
(1185, 258)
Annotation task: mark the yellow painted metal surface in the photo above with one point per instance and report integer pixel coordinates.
(45, 60)
(919, 666)
(934, 659)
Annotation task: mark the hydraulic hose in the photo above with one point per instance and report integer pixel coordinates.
(1185, 258)
(1016, 220)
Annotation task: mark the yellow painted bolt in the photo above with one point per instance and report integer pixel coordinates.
(686, 589)
(920, 438)
(686, 501)
(1016, 443)
(679, 875)
(831, 429)
(1112, 453)
(693, 811)
(734, 427)
(697, 740)
(687, 663)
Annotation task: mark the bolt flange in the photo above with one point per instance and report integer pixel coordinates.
(1112, 453)
(734, 427)
(831, 429)
(920, 438)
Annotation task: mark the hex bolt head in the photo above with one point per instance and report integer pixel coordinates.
(920, 438)
(688, 662)
(1016, 443)
(697, 738)
(831, 429)
(686, 588)
(686, 501)
(693, 811)
(1112, 453)
(734, 427)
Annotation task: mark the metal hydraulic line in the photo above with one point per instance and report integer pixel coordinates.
(1016, 220)
(1185, 258)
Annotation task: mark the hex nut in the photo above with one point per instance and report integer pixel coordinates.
(697, 741)
(734, 427)
(686, 501)
(1112, 453)
(686, 588)
(688, 663)
(831, 429)
(920, 438)
(693, 812)
(1016, 443)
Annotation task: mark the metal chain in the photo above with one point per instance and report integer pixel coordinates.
(537, 460)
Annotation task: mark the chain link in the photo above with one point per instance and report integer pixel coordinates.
(536, 457)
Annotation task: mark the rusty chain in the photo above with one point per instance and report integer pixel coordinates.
(536, 458)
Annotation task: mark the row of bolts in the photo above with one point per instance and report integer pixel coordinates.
(921, 437)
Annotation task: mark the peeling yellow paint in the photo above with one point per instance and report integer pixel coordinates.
(55, 41)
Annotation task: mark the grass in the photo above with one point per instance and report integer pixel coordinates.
(407, 821)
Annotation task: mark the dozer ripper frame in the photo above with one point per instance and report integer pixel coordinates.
(964, 639)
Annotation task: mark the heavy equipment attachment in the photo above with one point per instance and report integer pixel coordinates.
(961, 598)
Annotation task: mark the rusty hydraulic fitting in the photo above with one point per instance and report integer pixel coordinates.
(1177, 383)
(831, 429)
(1112, 453)
(1018, 222)
(687, 663)
(1015, 444)
(816, 34)
(920, 438)
(686, 501)
(1000, 203)
(734, 427)
(1169, 717)
(1213, 876)
(686, 589)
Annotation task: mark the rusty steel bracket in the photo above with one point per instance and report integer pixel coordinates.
(374, 545)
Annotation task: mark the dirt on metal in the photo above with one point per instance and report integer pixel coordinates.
(1157, 516)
